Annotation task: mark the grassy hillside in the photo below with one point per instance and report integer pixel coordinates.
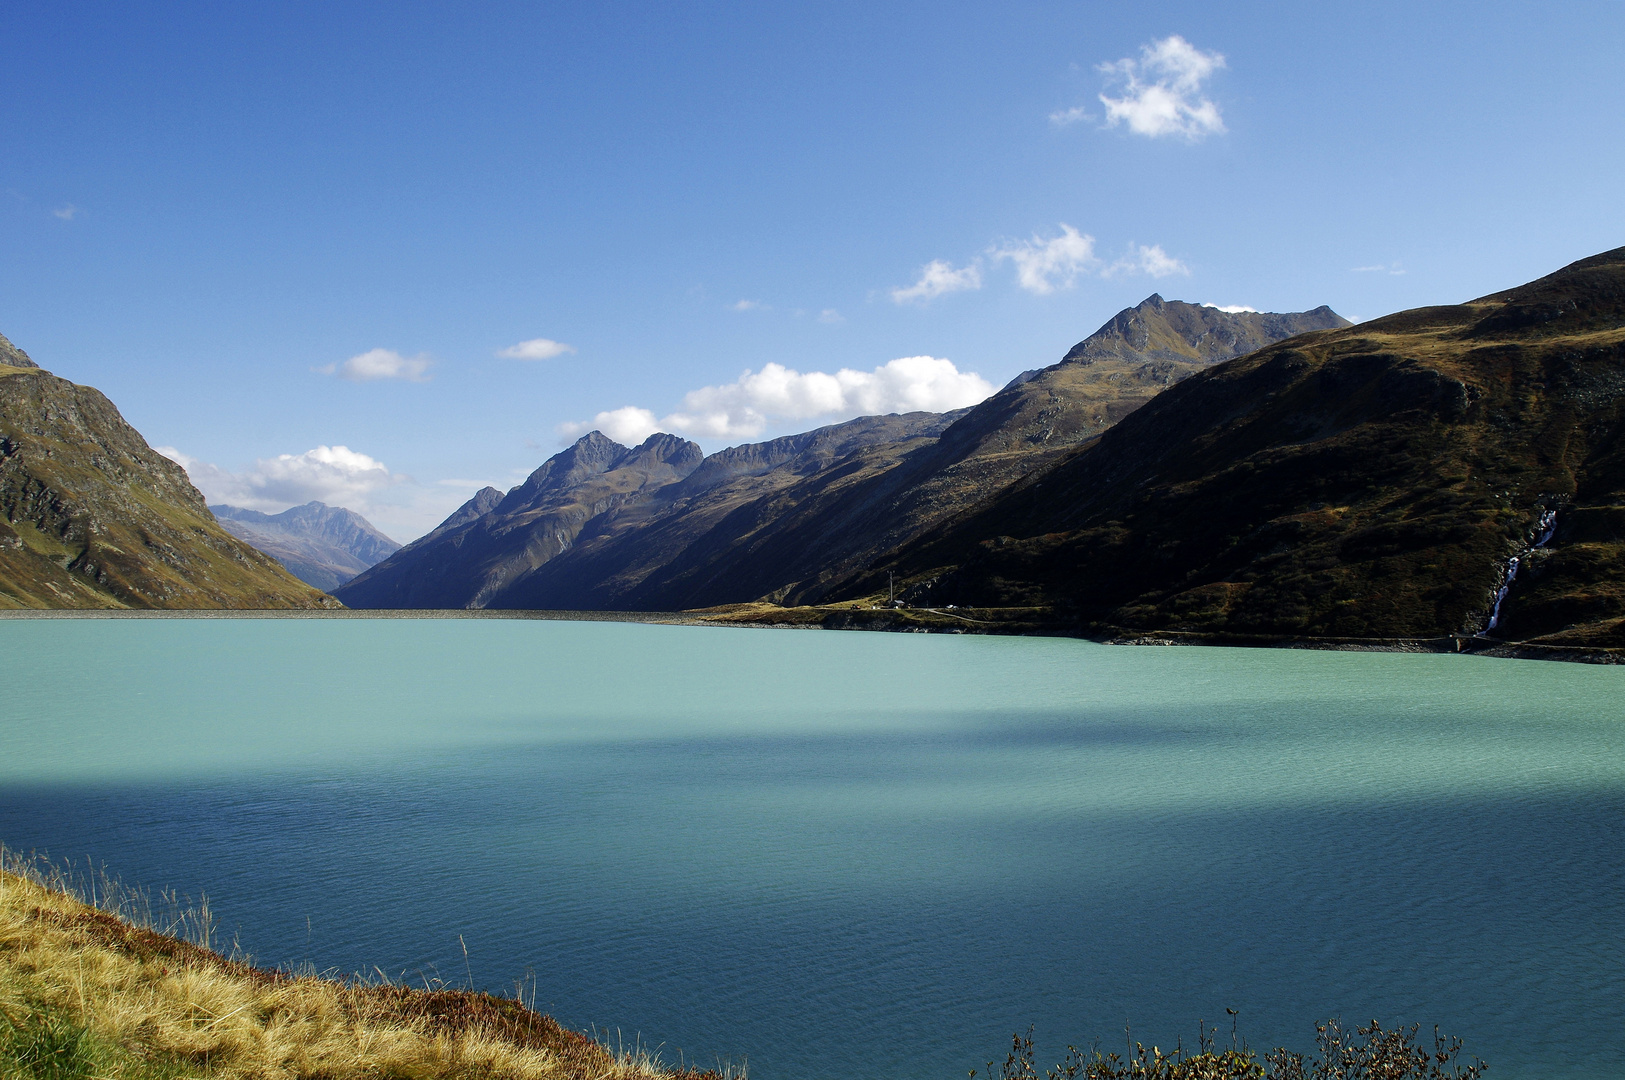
(1371, 482)
(91, 516)
(85, 994)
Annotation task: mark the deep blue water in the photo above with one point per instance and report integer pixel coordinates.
(859, 855)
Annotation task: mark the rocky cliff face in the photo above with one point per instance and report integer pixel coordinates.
(1378, 480)
(11, 356)
(321, 545)
(91, 516)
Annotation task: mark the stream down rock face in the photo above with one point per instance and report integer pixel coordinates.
(1373, 481)
(91, 516)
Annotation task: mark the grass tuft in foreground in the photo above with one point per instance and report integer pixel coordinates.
(94, 983)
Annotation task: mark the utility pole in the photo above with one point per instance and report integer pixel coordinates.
(891, 587)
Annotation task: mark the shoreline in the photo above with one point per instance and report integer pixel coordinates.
(668, 618)
(1018, 622)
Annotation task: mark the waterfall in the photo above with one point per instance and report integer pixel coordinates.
(1544, 528)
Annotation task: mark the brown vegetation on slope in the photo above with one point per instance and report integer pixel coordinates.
(1373, 482)
(106, 997)
(91, 516)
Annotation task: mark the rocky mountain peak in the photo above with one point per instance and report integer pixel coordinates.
(1174, 330)
(663, 449)
(11, 356)
(661, 456)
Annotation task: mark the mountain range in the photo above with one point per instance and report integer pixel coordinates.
(93, 517)
(1454, 473)
(321, 545)
(661, 526)
(1446, 470)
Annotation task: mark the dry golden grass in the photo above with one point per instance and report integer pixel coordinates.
(134, 1002)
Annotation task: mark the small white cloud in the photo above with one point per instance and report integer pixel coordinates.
(936, 278)
(1162, 91)
(1232, 309)
(629, 425)
(1041, 264)
(536, 349)
(745, 407)
(1063, 117)
(1393, 269)
(1146, 260)
(335, 475)
(747, 305)
(831, 317)
(68, 212)
(378, 364)
(185, 461)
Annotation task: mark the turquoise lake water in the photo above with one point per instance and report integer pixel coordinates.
(859, 855)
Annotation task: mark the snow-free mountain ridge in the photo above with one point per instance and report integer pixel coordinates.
(659, 526)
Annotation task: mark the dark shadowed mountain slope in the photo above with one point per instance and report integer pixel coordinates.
(1372, 481)
(321, 545)
(665, 509)
(794, 545)
(620, 551)
(787, 517)
(484, 501)
(465, 562)
(91, 516)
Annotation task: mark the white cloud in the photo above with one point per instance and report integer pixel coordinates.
(335, 475)
(832, 317)
(745, 407)
(68, 212)
(378, 364)
(536, 349)
(936, 278)
(747, 305)
(1162, 91)
(1232, 309)
(1146, 260)
(1041, 264)
(1063, 117)
(628, 424)
(1393, 269)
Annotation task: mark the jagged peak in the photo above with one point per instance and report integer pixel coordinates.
(12, 356)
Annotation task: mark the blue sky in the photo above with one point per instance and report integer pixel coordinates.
(268, 230)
